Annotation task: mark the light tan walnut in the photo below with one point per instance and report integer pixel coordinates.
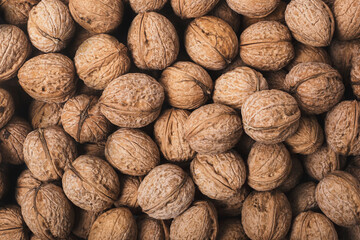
(25, 182)
(347, 17)
(277, 15)
(16, 12)
(223, 11)
(253, 8)
(147, 5)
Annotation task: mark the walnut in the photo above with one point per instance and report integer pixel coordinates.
(150, 228)
(15, 49)
(91, 183)
(317, 87)
(187, 85)
(146, 5)
(213, 128)
(117, 223)
(47, 152)
(294, 177)
(7, 107)
(234, 87)
(192, 9)
(338, 197)
(277, 15)
(223, 11)
(266, 46)
(12, 225)
(253, 8)
(148, 51)
(25, 182)
(276, 79)
(270, 116)
(70, 237)
(128, 193)
(132, 100)
(302, 198)
(355, 76)
(258, 215)
(231, 228)
(166, 192)
(43, 114)
(83, 222)
(347, 16)
(94, 149)
(211, 42)
(16, 12)
(354, 167)
(100, 59)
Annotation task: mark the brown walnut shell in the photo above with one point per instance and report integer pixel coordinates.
(83, 222)
(7, 107)
(277, 15)
(354, 167)
(294, 177)
(150, 228)
(147, 5)
(302, 198)
(276, 79)
(25, 182)
(12, 225)
(16, 12)
(347, 17)
(355, 76)
(253, 8)
(231, 229)
(128, 193)
(192, 9)
(43, 114)
(223, 11)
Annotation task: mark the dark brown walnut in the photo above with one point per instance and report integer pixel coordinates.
(294, 177)
(313, 226)
(277, 15)
(15, 49)
(12, 225)
(352, 233)
(253, 8)
(148, 51)
(100, 59)
(223, 11)
(16, 12)
(97, 16)
(4, 182)
(48, 77)
(43, 114)
(117, 223)
(354, 167)
(48, 151)
(132, 100)
(94, 149)
(276, 79)
(7, 107)
(266, 215)
(218, 176)
(146, 5)
(47, 212)
(70, 237)
(187, 85)
(83, 222)
(302, 198)
(128, 193)
(347, 16)
(266, 46)
(198, 222)
(338, 196)
(211, 42)
(231, 228)
(150, 228)
(166, 192)
(270, 116)
(213, 128)
(355, 76)
(192, 9)
(25, 182)
(91, 183)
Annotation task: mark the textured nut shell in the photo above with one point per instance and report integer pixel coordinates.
(355, 77)
(132, 100)
(294, 177)
(231, 228)
(100, 59)
(14, 50)
(150, 228)
(12, 225)
(7, 107)
(211, 42)
(186, 85)
(354, 167)
(192, 9)
(166, 192)
(213, 128)
(347, 16)
(16, 12)
(128, 193)
(146, 5)
(153, 41)
(276, 79)
(83, 222)
(43, 114)
(344, 210)
(223, 11)
(270, 116)
(91, 183)
(266, 46)
(277, 15)
(25, 182)
(302, 198)
(253, 8)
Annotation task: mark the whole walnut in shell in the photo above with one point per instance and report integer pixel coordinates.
(7, 107)
(128, 193)
(347, 17)
(294, 177)
(25, 182)
(150, 228)
(146, 5)
(302, 198)
(355, 76)
(43, 114)
(83, 222)
(192, 9)
(232, 206)
(354, 167)
(253, 8)
(12, 225)
(223, 11)
(231, 228)
(277, 15)
(16, 12)
(166, 192)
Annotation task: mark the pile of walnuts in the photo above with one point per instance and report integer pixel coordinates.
(179, 119)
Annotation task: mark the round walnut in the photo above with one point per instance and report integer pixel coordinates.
(50, 26)
(43, 114)
(317, 87)
(16, 12)
(266, 46)
(338, 197)
(347, 16)
(97, 16)
(7, 107)
(276, 79)
(231, 228)
(192, 9)
(270, 116)
(151, 52)
(25, 182)
(234, 87)
(253, 8)
(223, 11)
(355, 76)
(302, 198)
(100, 59)
(83, 222)
(211, 42)
(55, 78)
(15, 49)
(132, 152)
(266, 215)
(150, 228)
(12, 225)
(354, 167)
(91, 183)
(294, 177)
(213, 128)
(132, 100)
(146, 5)
(117, 223)
(187, 85)
(48, 151)
(166, 192)
(128, 193)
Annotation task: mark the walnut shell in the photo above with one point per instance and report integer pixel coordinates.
(12, 225)
(166, 192)
(253, 8)
(213, 128)
(347, 16)
(43, 114)
(192, 9)
(302, 198)
(7, 107)
(266, 46)
(231, 228)
(223, 11)
(83, 222)
(132, 100)
(354, 167)
(150, 228)
(211, 42)
(91, 183)
(128, 193)
(276, 79)
(270, 116)
(146, 5)
(148, 51)
(294, 177)
(355, 76)
(338, 197)
(277, 15)
(16, 12)
(25, 182)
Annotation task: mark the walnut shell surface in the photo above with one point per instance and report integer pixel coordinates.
(7, 107)
(302, 198)
(128, 193)
(355, 76)
(43, 114)
(223, 11)
(231, 228)
(150, 228)
(16, 12)
(347, 16)
(12, 225)
(25, 182)
(192, 9)
(253, 8)
(146, 5)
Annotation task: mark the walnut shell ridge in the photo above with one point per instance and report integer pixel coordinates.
(12, 225)
(43, 114)
(192, 9)
(347, 18)
(25, 182)
(254, 9)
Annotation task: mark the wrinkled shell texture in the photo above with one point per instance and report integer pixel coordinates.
(354, 167)
(253, 8)
(153, 41)
(128, 193)
(302, 198)
(91, 183)
(294, 177)
(132, 100)
(146, 5)
(83, 222)
(211, 42)
(223, 11)
(25, 182)
(7, 107)
(166, 192)
(12, 225)
(232, 206)
(355, 77)
(100, 59)
(150, 228)
(347, 15)
(43, 114)
(16, 12)
(186, 85)
(266, 46)
(48, 77)
(192, 9)
(50, 26)
(231, 228)
(270, 116)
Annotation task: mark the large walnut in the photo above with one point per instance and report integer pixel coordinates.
(302, 198)
(12, 225)
(43, 114)
(253, 8)
(192, 9)
(7, 107)
(16, 12)
(347, 16)
(150, 228)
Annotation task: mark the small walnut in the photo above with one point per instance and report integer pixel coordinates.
(148, 51)
(12, 225)
(302, 198)
(166, 192)
(192, 9)
(277, 15)
(354, 167)
(231, 228)
(223, 11)
(91, 183)
(16, 12)
(253, 8)
(355, 76)
(83, 222)
(25, 182)
(347, 16)
(150, 228)
(128, 193)
(132, 100)
(43, 114)
(146, 5)
(94, 149)
(276, 79)
(266, 46)
(211, 42)
(7, 107)
(294, 177)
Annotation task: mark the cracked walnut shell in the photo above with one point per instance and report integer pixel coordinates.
(192, 9)
(12, 225)
(43, 114)
(253, 8)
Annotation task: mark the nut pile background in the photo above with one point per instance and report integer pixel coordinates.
(179, 119)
